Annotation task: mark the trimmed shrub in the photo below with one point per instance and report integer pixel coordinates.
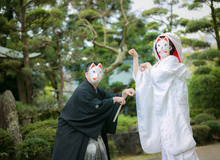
(124, 122)
(201, 134)
(33, 148)
(214, 126)
(112, 149)
(46, 134)
(51, 123)
(213, 111)
(203, 117)
(6, 142)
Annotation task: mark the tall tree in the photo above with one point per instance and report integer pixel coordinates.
(208, 25)
(165, 9)
(96, 17)
(29, 20)
(59, 38)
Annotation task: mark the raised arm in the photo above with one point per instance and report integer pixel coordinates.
(135, 61)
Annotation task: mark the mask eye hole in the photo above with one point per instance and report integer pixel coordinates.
(100, 71)
(93, 71)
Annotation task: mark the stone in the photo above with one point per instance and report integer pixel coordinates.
(127, 143)
(9, 116)
(132, 128)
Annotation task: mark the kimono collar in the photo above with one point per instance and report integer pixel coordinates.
(90, 86)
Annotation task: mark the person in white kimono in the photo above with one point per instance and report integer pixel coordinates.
(162, 101)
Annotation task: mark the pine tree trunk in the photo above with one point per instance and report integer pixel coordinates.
(29, 82)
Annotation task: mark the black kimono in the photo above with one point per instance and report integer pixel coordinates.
(88, 113)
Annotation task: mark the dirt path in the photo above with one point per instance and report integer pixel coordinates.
(209, 152)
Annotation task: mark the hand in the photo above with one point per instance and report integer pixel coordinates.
(128, 92)
(120, 100)
(133, 53)
(144, 66)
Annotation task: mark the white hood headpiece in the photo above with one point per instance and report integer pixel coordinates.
(176, 42)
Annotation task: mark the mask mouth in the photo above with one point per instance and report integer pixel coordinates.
(162, 51)
(98, 78)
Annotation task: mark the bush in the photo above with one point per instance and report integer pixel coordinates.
(203, 117)
(214, 126)
(6, 142)
(201, 134)
(33, 148)
(112, 149)
(213, 111)
(46, 134)
(25, 110)
(51, 123)
(124, 122)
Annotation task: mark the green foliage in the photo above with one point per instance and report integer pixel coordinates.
(211, 55)
(203, 91)
(199, 62)
(199, 25)
(200, 134)
(216, 72)
(183, 21)
(37, 18)
(124, 122)
(214, 126)
(104, 82)
(42, 133)
(124, 67)
(112, 149)
(12, 64)
(131, 101)
(33, 148)
(43, 125)
(6, 142)
(153, 26)
(88, 14)
(195, 111)
(117, 84)
(155, 11)
(202, 70)
(195, 5)
(25, 110)
(203, 117)
(10, 67)
(194, 43)
(214, 112)
(26, 70)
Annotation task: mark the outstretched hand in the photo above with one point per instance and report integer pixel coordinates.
(128, 92)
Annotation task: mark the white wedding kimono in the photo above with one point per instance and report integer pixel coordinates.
(163, 111)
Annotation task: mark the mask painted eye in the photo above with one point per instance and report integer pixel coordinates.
(158, 45)
(165, 44)
(100, 71)
(93, 71)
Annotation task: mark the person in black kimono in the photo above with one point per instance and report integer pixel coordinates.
(87, 118)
